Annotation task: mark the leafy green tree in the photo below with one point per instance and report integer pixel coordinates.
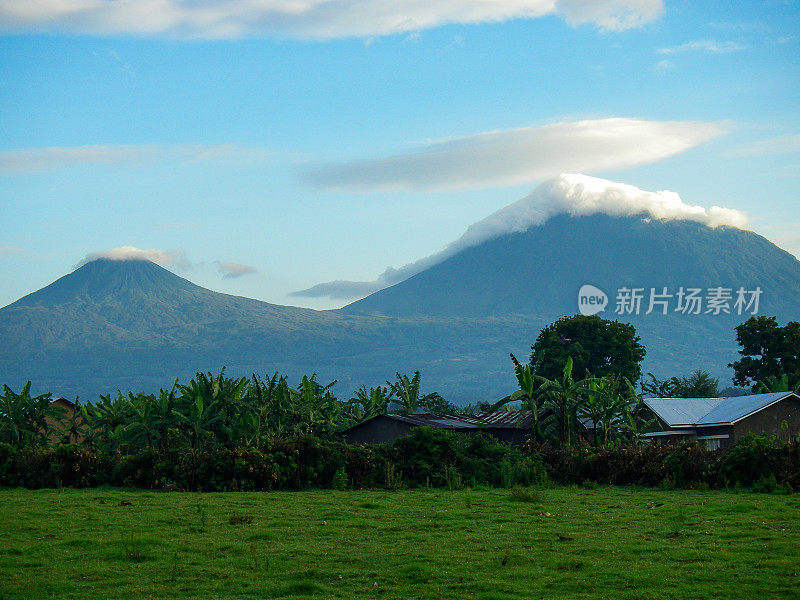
(767, 350)
(597, 346)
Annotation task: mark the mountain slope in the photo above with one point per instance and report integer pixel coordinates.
(135, 326)
(539, 271)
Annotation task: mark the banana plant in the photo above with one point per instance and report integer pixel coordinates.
(23, 418)
(528, 394)
(406, 392)
(563, 395)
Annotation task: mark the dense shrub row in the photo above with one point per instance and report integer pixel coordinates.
(428, 457)
(755, 461)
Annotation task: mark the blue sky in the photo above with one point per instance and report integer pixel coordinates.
(259, 150)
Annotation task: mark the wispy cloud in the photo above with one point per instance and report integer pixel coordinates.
(22, 160)
(305, 19)
(781, 144)
(711, 46)
(8, 251)
(510, 157)
(165, 258)
(572, 194)
(232, 270)
(665, 65)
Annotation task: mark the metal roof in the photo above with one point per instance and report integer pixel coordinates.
(734, 409)
(498, 420)
(687, 412)
(682, 411)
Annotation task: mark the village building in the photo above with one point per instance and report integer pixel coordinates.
(721, 422)
(509, 426)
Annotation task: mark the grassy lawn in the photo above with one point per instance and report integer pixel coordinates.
(555, 543)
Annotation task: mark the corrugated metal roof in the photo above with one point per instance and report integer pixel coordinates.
(682, 411)
(676, 412)
(498, 420)
(733, 409)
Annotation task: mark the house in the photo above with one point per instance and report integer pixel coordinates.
(509, 426)
(722, 421)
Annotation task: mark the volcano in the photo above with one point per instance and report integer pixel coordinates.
(133, 325)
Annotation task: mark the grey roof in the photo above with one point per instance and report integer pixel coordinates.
(734, 409)
(689, 412)
(682, 411)
(512, 419)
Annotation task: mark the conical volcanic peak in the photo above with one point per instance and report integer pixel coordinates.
(104, 278)
(540, 270)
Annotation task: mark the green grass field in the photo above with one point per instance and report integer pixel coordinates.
(551, 543)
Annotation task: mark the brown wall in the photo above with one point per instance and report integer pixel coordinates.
(769, 420)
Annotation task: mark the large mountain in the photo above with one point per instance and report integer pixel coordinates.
(540, 271)
(134, 325)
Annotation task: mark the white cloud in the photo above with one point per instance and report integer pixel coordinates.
(573, 194)
(305, 19)
(665, 65)
(165, 258)
(610, 15)
(232, 270)
(22, 160)
(703, 46)
(782, 144)
(515, 156)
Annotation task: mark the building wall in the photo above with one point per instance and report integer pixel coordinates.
(378, 430)
(769, 421)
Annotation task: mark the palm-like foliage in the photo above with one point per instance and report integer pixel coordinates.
(608, 404)
(406, 392)
(269, 402)
(315, 407)
(563, 396)
(777, 384)
(699, 384)
(368, 403)
(529, 395)
(70, 427)
(23, 418)
(210, 407)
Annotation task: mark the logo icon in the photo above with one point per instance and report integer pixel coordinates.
(591, 300)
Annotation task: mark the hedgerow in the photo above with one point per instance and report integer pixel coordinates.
(427, 457)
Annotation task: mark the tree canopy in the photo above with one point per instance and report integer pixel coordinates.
(699, 384)
(597, 346)
(768, 351)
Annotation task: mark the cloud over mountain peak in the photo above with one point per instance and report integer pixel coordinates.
(569, 193)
